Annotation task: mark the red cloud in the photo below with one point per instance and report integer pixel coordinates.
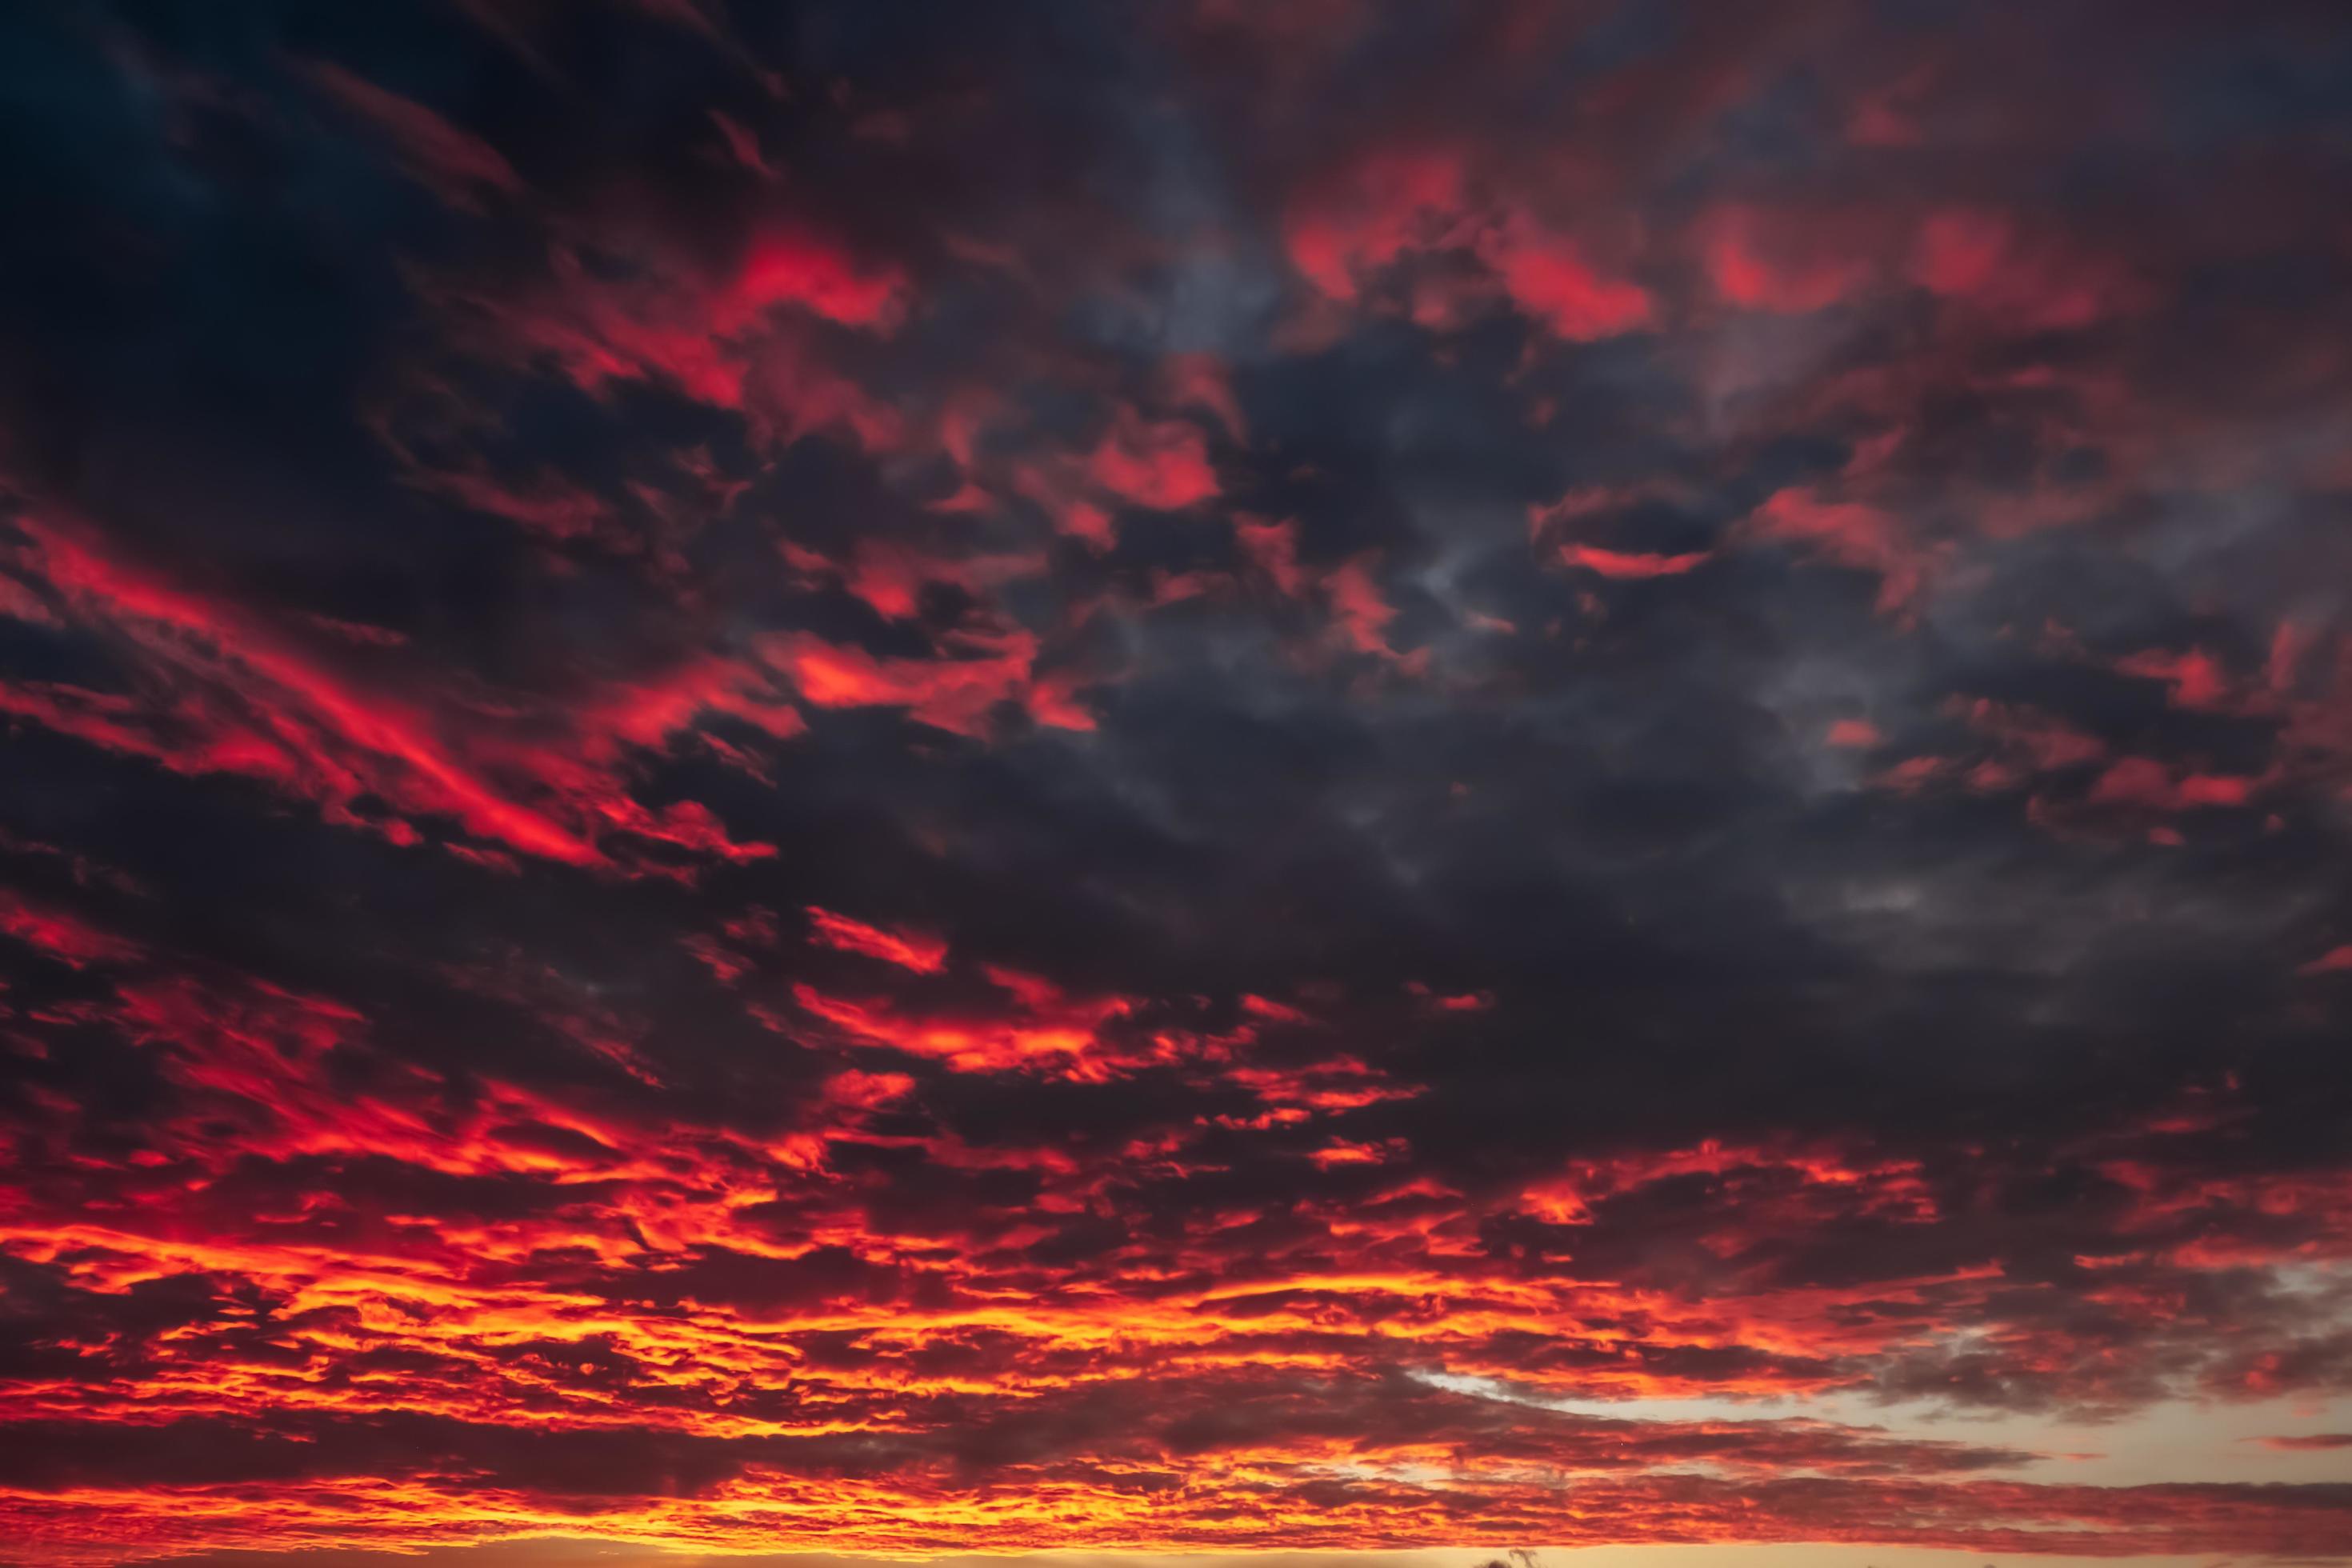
(1203, 381)
(220, 690)
(62, 936)
(1393, 202)
(1858, 735)
(1162, 464)
(1765, 260)
(2148, 783)
(1980, 259)
(2196, 678)
(1358, 609)
(744, 332)
(1395, 205)
(1625, 563)
(1049, 1035)
(956, 693)
(458, 167)
(1848, 534)
(1273, 549)
(1549, 279)
(2307, 1442)
(784, 268)
(906, 948)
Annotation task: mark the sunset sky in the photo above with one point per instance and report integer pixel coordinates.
(1175, 784)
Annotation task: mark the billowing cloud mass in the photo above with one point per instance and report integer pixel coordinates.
(1182, 777)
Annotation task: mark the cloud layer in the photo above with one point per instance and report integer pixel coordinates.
(1196, 777)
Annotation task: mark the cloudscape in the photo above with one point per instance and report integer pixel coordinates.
(1156, 780)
